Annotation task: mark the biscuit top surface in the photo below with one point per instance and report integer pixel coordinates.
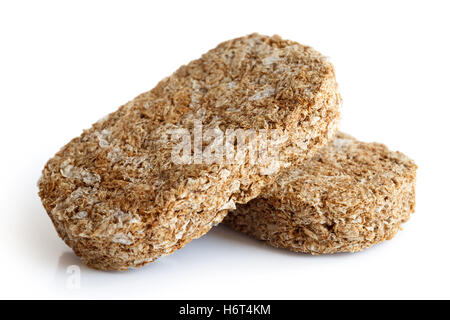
(123, 163)
(250, 82)
(345, 172)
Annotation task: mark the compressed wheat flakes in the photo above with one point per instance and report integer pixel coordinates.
(117, 197)
(350, 196)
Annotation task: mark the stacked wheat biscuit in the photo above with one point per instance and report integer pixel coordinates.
(350, 196)
(120, 196)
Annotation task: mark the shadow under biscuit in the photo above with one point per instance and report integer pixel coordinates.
(236, 239)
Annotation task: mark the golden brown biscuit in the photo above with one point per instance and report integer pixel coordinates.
(117, 197)
(350, 196)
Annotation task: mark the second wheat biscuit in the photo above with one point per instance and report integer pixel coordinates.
(350, 196)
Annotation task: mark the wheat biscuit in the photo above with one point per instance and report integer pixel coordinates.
(117, 197)
(350, 196)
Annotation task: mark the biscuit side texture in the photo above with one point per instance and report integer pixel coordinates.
(350, 196)
(117, 197)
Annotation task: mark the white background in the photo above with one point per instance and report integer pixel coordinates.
(65, 64)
